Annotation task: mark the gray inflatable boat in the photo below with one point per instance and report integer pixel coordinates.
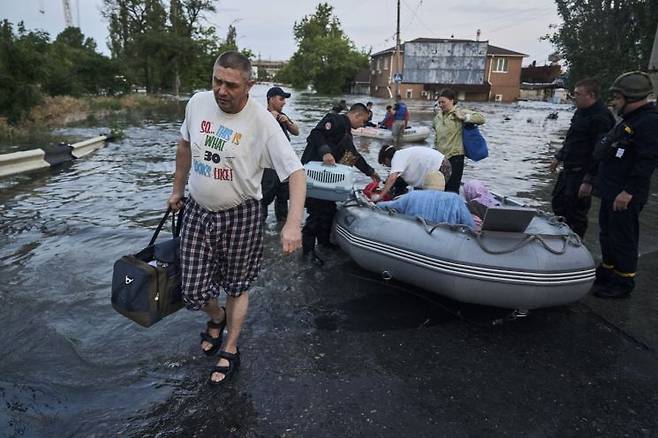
(545, 265)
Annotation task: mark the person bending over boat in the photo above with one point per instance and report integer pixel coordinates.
(331, 142)
(433, 205)
(448, 125)
(410, 167)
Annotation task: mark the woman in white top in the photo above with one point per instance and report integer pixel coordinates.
(411, 166)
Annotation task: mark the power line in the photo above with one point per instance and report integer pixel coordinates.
(419, 19)
(511, 25)
(420, 3)
(503, 16)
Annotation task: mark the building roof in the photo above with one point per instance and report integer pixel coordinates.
(499, 51)
(491, 50)
(392, 49)
(443, 40)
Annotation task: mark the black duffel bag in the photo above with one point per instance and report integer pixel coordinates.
(146, 286)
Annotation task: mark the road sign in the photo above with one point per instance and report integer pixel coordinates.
(397, 77)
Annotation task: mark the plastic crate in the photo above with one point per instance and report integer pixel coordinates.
(329, 182)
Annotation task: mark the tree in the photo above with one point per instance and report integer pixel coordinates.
(189, 39)
(74, 67)
(325, 57)
(30, 66)
(261, 74)
(165, 48)
(604, 38)
(22, 66)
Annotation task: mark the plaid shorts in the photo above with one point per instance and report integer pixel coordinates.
(222, 248)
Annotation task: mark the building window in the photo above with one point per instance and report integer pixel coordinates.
(379, 63)
(498, 98)
(500, 65)
(410, 94)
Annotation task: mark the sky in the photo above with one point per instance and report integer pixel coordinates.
(266, 27)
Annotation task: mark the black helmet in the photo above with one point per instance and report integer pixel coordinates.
(634, 85)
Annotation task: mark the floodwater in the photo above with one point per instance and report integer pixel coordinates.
(72, 366)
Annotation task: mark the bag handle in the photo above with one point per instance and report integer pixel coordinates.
(175, 223)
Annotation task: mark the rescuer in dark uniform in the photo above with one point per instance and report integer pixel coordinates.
(591, 121)
(628, 155)
(331, 142)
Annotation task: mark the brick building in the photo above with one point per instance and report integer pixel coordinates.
(475, 69)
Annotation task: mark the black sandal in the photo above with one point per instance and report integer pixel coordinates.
(215, 342)
(230, 370)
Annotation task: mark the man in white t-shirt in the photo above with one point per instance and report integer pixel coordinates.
(410, 167)
(227, 141)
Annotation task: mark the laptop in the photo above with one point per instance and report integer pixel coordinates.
(510, 219)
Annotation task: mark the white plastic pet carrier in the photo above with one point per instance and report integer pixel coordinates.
(329, 182)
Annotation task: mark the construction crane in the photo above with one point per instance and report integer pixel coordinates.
(68, 17)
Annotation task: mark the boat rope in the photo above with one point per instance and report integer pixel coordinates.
(529, 238)
(429, 229)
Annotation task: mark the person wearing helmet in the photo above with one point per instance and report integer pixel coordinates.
(592, 120)
(628, 155)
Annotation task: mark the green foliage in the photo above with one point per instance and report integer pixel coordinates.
(74, 67)
(158, 47)
(325, 58)
(21, 69)
(31, 66)
(165, 50)
(603, 38)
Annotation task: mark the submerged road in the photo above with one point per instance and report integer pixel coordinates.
(375, 359)
(325, 353)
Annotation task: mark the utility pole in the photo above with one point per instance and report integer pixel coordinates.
(653, 65)
(397, 72)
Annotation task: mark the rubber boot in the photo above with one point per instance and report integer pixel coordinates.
(621, 286)
(604, 277)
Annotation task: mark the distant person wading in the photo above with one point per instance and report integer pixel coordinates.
(400, 120)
